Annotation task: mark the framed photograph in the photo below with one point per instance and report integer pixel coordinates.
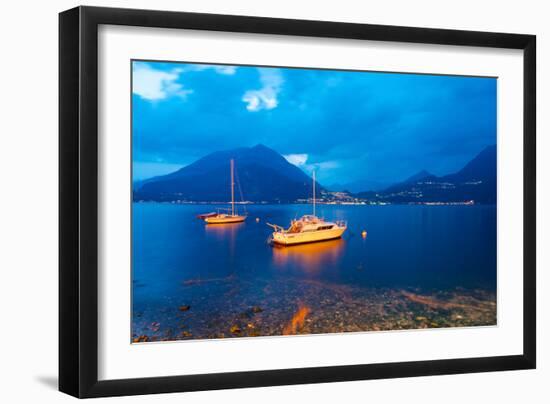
(251, 201)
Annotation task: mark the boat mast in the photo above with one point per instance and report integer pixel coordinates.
(232, 191)
(313, 192)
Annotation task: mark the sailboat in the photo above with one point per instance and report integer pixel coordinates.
(308, 229)
(225, 218)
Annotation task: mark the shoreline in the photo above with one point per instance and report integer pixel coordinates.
(318, 203)
(229, 308)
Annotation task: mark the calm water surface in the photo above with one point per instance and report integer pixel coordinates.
(426, 247)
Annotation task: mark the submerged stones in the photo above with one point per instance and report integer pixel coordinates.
(249, 313)
(249, 308)
(141, 338)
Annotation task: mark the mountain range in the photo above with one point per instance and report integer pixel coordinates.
(264, 175)
(358, 185)
(476, 181)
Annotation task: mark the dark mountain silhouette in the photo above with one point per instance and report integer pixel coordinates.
(418, 176)
(413, 179)
(357, 186)
(261, 173)
(476, 181)
(264, 175)
(482, 167)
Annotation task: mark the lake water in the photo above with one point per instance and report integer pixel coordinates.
(224, 270)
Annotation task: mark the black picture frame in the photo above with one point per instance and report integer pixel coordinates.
(78, 201)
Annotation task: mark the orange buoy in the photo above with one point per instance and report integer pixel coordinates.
(364, 234)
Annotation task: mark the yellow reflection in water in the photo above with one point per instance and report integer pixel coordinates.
(309, 257)
(225, 232)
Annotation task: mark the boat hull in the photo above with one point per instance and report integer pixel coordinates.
(205, 215)
(283, 238)
(225, 219)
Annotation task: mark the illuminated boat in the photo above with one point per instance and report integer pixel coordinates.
(308, 229)
(230, 217)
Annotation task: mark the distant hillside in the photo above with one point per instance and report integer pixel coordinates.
(262, 173)
(266, 176)
(357, 186)
(477, 181)
(413, 179)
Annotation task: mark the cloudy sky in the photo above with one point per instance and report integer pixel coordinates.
(351, 127)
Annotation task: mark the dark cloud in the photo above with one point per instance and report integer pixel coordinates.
(368, 126)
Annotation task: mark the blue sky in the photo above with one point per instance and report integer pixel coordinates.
(351, 127)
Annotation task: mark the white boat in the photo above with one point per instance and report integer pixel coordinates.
(226, 218)
(308, 229)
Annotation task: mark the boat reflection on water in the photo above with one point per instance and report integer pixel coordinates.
(310, 257)
(225, 234)
(223, 231)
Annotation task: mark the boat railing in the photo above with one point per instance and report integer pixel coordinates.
(276, 227)
(224, 210)
(342, 223)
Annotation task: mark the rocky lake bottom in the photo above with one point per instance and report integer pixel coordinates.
(231, 307)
